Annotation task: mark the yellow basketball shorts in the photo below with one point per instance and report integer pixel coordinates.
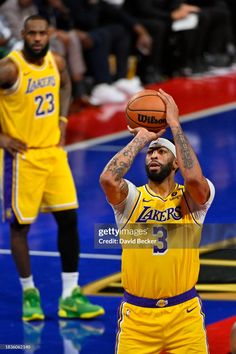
(38, 180)
(178, 329)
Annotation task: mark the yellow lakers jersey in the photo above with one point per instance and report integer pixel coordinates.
(29, 111)
(163, 257)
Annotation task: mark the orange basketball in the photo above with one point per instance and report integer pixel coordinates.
(146, 109)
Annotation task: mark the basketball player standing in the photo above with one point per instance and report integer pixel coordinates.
(160, 310)
(35, 97)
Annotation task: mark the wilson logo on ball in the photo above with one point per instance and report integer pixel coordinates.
(147, 110)
(150, 119)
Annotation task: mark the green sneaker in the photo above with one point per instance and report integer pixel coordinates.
(32, 310)
(78, 306)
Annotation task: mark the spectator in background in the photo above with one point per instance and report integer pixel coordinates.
(5, 35)
(15, 12)
(7, 41)
(105, 30)
(142, 45)
(157, 21)
(65, 41)
(140, 35)
(159, 17)
(217, 35)
(231, 4)
(195, 33)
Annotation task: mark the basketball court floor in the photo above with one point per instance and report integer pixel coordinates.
(208, 113)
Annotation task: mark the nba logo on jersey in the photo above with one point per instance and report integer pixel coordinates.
(8, 213)
(162, 303)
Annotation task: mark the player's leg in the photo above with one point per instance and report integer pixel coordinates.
(186, 333)
(68, 246)
(72, 304)
(22, 187)
(20, 251)
(140, 330)
(68, 239)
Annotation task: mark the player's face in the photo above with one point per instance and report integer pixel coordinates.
(36, 38)
(159, 164)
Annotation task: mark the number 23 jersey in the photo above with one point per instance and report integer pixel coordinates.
(29, 110)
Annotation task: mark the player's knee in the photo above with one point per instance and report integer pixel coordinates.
(68, 238)
(66, 218)
(16, 227)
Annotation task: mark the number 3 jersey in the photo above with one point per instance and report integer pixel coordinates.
(29, 110)
(160, 240)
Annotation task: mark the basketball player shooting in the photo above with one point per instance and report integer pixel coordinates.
(160, 310)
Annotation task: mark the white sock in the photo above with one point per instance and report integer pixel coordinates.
(27, 283)
(69, 282)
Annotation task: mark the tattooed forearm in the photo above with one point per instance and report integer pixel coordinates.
(121, 162)
(185, 148)
(117, 169)
(124, 187)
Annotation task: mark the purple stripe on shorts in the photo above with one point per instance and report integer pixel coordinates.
(7, 187)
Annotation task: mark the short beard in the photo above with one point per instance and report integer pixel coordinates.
(35, 55)
(159, 177)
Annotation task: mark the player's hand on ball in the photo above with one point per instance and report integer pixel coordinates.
(172, 111)
(144, 132)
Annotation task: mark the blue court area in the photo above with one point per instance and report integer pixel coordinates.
(214, 140)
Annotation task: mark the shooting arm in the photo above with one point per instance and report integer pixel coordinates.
(195, 183)
(111, 179)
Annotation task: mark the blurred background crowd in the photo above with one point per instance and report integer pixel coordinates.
(115, 47)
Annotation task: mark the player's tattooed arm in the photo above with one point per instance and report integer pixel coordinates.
(188, 157)
(121, 162)
(8, 73)
(195, 183)
(111, 179)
